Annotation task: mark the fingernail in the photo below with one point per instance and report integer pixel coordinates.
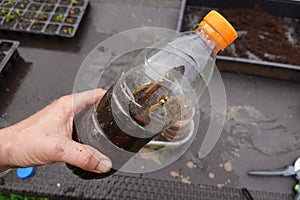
(104, 166)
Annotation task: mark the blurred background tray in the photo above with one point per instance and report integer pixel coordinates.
(8, 52)
(45, 17)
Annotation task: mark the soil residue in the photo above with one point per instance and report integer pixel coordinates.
(263, 36)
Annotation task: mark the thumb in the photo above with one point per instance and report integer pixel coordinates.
(86, 157)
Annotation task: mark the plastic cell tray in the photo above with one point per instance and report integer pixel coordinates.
(8, 52)
(46, 17)
(283, 8)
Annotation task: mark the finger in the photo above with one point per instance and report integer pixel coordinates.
(85, 99)
(86, 157)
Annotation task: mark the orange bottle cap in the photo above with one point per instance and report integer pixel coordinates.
(219, 29)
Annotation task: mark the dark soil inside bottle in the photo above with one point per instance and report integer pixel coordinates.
(261, 36)
(111, 129)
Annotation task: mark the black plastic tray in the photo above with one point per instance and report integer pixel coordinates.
(8, 52)
(57, 183)
(286, 8)
(46, 17)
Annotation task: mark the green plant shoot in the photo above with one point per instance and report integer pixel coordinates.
(70, 30)
(74, 1)
(59, 18)
(3, 11)
(11, 2)
(42, 16)
(9, 17)
(17, 11)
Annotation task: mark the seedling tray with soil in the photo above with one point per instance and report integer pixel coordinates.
(8, 52)
(46, 17)
(269, 37)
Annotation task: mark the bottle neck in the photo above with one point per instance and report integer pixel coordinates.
(213, 39)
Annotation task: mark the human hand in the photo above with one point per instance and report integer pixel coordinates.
(46, 137)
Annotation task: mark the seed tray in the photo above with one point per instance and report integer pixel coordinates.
(45, 17)
(8, 52)
(192, 11)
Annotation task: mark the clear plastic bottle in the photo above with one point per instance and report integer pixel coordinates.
(157, 97)
(195, 50)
